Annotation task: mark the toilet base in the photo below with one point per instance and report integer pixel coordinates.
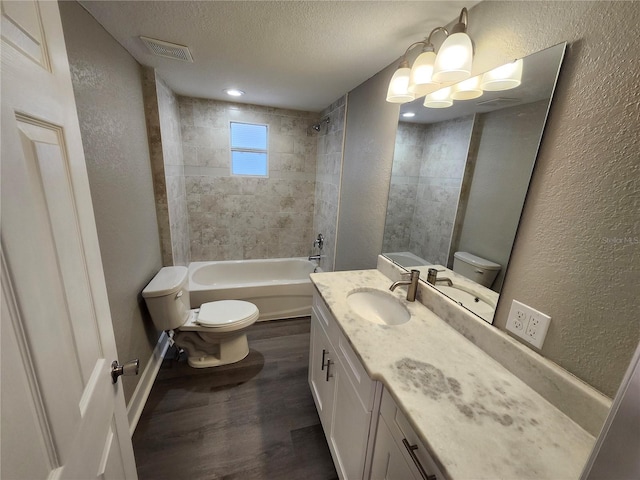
(212, 352)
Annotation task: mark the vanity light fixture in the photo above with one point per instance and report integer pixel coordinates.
(439, 99)
(453, 62)
(398, 91)
(234, 92)
(420, 79)
(409, 83)
(467, 89)
(504, 77)
(430, 71)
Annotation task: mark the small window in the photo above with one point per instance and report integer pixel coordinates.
(249, 154)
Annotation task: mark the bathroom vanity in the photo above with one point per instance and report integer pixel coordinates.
(419, 400)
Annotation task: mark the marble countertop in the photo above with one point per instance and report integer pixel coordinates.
(477, 419)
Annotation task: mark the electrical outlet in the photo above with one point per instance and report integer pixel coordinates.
(528, 323)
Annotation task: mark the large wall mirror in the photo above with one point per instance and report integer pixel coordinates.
(459, 181)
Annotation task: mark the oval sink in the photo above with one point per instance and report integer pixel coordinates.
(378, 307)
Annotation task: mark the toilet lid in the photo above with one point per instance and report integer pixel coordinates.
(225, 312)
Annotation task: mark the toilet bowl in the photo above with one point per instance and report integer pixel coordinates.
(478, 269)
(212, 335)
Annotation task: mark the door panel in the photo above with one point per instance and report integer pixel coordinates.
(66, 419)
(22, 28)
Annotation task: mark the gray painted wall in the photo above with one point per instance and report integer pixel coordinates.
(507, 142)
(366, 172)
(576, 255)
(107, 84)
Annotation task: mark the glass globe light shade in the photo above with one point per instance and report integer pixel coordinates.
(420, 81)
(467, 89)
(453, 62)
(439, 99)
(505, 77)
(398, 91)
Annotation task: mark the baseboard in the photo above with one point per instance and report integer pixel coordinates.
(141, 393)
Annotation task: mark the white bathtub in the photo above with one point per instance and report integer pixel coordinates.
(279, 287)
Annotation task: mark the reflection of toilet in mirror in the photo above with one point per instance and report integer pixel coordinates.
(214, 334)
(477, 269)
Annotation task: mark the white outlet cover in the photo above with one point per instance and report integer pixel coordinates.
(528, 323)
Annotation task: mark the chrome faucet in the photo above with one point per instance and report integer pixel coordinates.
(412, 282)
(432, 278)
(318, 242)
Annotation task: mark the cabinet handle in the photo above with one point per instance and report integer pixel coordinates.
(324, 352)
(410, 449)
(329, 362)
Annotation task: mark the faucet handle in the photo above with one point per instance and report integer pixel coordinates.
(413, 273)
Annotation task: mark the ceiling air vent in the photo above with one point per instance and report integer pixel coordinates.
(168, 50)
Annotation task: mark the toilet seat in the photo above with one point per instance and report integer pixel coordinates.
(226, 313)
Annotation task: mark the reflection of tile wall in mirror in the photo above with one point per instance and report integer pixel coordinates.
(460, 174)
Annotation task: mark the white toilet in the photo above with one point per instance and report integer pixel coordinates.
(214, 334)
(478, 269)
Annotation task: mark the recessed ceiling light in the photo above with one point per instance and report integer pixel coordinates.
(408, 114)
(234, 92)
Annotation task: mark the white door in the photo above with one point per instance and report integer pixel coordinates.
(62, 416)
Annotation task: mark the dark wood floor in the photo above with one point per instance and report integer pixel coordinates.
(254, 419)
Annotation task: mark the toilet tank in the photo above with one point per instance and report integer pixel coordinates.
(475, 268)
(167, 297)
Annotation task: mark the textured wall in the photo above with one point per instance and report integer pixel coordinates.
(506, 151)
(328, 170)
(366, 172)
(233, 218)
(584, 193)
(107, 84)
(575, 256)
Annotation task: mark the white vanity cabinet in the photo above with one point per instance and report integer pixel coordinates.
(343, 392)
(398, 453)
(321, 362)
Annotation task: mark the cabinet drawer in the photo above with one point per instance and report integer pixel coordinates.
(329, 324)
(402, 430)
(363, 385)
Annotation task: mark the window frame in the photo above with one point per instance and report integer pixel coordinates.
(248, 150)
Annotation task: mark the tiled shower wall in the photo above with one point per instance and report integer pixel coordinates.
(233, 217)
(443, 162)
(428, 166)
(173, 170)
(403, 190)
(165, 148)
(329, 166)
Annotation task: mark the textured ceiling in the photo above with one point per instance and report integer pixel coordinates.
(290, 54)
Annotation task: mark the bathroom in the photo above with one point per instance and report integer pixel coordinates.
(566, 259)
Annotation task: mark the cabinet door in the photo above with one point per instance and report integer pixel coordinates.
(388, 461)
(321, 365)
(349, 428)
